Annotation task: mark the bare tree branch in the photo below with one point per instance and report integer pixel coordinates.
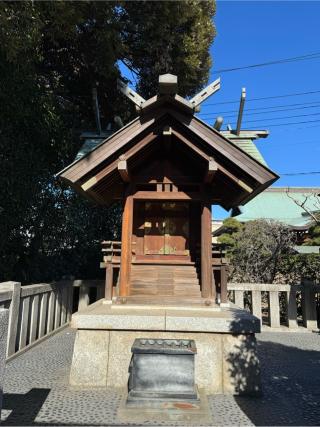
(308, 197)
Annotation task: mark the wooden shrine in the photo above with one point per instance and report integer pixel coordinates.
(167, 168)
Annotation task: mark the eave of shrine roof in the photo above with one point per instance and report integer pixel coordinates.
(95, 147)
(238, 147)
(117, 144)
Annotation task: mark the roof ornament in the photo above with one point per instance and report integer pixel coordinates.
(96, 109)
(241, 107)
(218, 123)
(240, 114)
(168, 88)
(168, 84)
(205, 93)
(130, 93)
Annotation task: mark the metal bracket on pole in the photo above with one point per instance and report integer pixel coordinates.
(130, 93)
(242, 101)
(205, 93)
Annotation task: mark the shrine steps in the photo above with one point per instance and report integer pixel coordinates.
(165, 280)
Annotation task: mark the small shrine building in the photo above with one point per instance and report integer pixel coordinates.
(167, 167)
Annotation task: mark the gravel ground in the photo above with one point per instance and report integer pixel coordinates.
(36, 391)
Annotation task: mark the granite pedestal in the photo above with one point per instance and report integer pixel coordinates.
(226, 360)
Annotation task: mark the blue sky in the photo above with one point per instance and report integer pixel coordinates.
(251, 32)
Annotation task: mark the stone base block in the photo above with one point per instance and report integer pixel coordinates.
(225, 363)
(173, 411)
(90, 358)
(226, 359)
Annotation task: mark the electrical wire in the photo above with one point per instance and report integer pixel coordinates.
(300, 173)
(291, 144)
(264, 98)
(294, 123)
(271, 110)
(280, 118)
(309, 56)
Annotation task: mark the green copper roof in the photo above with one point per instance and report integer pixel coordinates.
(245, 141)
(274, 203)
(250, 148)
(91, 141)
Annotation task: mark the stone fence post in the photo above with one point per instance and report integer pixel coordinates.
(4, 320)
(13, 318)
(309, 309)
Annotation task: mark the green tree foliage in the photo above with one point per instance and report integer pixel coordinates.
(168, 37)
(231, 228)
(51, 56)
(296, 267)
(263, 251)
(314, 236)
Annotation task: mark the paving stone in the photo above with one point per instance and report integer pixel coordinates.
(36, 390)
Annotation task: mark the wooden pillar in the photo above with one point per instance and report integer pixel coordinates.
(207, 289)
(126, 238)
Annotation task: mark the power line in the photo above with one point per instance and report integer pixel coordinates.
(284, 117)
(300, 173)
(294, 123)
(305, 57)
(265, 97)
(264, 112)
(309, 56)
(272, 109)
(298, 128)
(291, 143)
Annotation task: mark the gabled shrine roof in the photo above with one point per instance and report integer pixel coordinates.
(239, 176)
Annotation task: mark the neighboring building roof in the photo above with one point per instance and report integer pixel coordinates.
(215, 225)
(275, 204)
(307, 249)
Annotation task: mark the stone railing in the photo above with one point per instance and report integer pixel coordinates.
(276, 304)
(4, 319)
(86, 292)
(35, 312)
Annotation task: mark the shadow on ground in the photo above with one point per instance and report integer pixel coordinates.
(290, 387)
(24, 408)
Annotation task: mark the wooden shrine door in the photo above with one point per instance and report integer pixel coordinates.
(164, 231)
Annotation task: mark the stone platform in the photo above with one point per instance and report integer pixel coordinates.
(37, 393)
(226, 361)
